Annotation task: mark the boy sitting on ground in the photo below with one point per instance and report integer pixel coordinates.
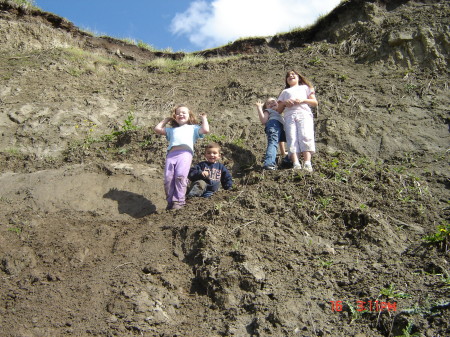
(207, 176)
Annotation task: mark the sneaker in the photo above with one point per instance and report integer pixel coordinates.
(297, 167)
(270, 167)
(177, 205)
(308, 167)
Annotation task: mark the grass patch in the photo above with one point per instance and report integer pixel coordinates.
(25, 4)
(169, 65)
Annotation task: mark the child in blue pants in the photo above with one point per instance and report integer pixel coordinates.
(274, 129)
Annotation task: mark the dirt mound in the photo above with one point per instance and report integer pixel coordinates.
(357, 248)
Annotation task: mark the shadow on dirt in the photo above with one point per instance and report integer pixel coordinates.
(131, 203)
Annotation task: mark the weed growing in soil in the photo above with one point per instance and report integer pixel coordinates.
(15, 230)
(215, 138)
(441, 237)
(356, 314)
(325, 264)
(391, 292)
(407, 331)
(111, 141)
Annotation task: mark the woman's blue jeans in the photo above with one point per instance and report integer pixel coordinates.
(275, 134)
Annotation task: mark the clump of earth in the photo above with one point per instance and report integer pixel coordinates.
(359, 247)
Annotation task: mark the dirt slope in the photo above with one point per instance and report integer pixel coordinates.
(87, 249)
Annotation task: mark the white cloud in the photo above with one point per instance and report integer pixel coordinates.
(215, 23)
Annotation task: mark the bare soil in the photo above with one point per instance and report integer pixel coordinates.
(87, 248)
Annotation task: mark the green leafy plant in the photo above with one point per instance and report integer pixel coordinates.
(325, 202)
(441, 236)
(391, 292)
(407, 331)
(16, 230)
(287, 197)
(88, 128)
(342, 78)
(356, 315)
(410, 87)
(325, 264)
(334, 163)
(215, 138)
(239, 142)
(127, 127)
(315, 61)
(129, 123)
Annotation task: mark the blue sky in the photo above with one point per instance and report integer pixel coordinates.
(188, 25)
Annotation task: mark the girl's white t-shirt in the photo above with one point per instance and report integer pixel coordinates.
(296, 92)
(183, 135)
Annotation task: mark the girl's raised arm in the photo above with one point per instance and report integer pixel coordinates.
(160, 129)
(263, 116)
(205, 125)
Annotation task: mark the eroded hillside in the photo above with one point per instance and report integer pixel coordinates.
(87, 249)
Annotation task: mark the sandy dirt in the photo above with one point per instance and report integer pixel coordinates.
(88, 249)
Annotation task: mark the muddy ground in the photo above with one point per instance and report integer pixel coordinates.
(87, 248)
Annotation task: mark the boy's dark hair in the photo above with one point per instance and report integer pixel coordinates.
(212, 145)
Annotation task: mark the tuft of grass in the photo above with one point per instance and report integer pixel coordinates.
(189, 60)
(26, 4)
(170, 65)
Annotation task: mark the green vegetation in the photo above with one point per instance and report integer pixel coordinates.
(356, 314)
(170, 65)
(407, 331)
(325, 202)
(16, 230)
(215, 138)
(111, 142)
(325, 264)
(15, 152)
(391, 292)
(315, 61)
(239, 142)
(441, 237)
